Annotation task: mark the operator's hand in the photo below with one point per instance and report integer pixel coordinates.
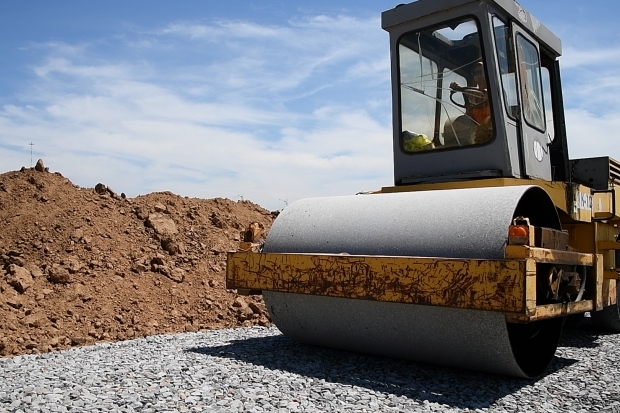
(455, 86)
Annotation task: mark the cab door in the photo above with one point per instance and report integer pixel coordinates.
(532, 124)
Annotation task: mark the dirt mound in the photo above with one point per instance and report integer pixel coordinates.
(80, 265)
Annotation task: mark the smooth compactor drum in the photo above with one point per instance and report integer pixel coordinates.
(422, 224)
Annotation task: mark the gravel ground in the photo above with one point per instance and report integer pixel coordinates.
(257, 369)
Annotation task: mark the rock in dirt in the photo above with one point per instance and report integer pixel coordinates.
(161, 224)
(59, 275)
(244, 313)
(255, 308)
(101, 189)
(172, 246)
(78, 341)
(217, 221)
(239, 302)
(35, 271)
(19, 278)
(19, 261)
(39, 167)
(14, 302)
(177, 275)
(159, 259)
(77, 234)
(33, 320)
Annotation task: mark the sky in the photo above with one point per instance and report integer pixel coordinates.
(268, 101)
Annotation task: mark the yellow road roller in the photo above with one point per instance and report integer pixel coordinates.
(490, 236)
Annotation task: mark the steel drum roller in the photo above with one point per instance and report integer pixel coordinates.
(462, 223)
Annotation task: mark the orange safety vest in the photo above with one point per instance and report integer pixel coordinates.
(480, 113)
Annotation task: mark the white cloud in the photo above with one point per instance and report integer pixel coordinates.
(590, 135)
(591, 87)
(371, 68)
(225, 29)
(573, 57)
(304, 44)
(65, 66)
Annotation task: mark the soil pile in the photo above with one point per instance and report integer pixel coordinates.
(80, 265)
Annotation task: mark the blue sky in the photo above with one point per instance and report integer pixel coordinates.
(271, 101)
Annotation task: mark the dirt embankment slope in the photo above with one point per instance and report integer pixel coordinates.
(80, 265)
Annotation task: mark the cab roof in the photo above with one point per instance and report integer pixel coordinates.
(404, 13)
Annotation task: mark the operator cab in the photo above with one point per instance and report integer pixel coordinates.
(476, 92)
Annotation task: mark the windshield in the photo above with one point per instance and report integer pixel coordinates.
(443, 86)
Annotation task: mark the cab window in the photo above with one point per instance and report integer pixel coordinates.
(546, 85)
(530, 84)
(444, 102)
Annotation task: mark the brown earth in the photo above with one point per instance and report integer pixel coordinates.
(82, 265)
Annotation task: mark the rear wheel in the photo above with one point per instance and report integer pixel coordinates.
(608, 318)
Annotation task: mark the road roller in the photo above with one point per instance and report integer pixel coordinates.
(490, 236)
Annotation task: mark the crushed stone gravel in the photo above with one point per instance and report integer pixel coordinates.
(258, 370)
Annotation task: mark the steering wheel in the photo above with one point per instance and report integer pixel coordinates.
(467, 102)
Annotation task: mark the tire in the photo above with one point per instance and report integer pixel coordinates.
(608, 319)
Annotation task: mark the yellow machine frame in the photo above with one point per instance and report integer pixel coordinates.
(507, 285)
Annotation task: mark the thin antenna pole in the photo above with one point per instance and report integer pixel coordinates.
(31, 145)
